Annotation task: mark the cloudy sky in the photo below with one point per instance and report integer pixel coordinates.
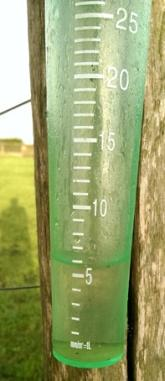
(14, 70)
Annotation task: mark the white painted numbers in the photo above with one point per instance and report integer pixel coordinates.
(88, 276)
(115, 78)
(127, 21)
(107, 141)
(100, 208)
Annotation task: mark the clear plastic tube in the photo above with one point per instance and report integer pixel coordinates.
(96, 61)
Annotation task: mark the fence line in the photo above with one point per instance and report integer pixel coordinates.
(15, 107)
(30, 287)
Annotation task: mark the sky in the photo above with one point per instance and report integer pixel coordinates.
(14, 71)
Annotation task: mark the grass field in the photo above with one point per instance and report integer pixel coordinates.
(20, 311)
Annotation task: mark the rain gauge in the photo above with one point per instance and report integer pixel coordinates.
(95, 68)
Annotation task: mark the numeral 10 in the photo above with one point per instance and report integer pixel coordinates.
(100, 208)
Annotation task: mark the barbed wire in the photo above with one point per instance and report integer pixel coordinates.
(15, 107)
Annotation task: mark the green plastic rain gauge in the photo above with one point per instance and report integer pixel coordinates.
(95, 68)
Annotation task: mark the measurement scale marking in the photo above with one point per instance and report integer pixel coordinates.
(78, 40)
(85, 89)
(79, 28)
(78, 275)
(80, 194)
(80, 16)
(85, 140)
(84, 102)
(78, 220)
(96, 2)
(81, 181)
(75, 318)
(82, 168)
(75, 333)
(83, 114)
(77, 234)
(86, 52)
(80, 76)
(77, 247)
(83, 127)
(82, 207)
(89, 76)
(76, 289)
(75, 304)
(86, 63)
(82, 154)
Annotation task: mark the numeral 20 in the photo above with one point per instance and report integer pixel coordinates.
(115, 78)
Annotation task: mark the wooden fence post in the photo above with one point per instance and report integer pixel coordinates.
(147, 284)
(145, 346)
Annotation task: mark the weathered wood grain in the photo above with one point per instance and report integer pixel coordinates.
(54, 371)
(147, 282)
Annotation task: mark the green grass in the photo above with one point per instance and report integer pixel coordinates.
(20, 311)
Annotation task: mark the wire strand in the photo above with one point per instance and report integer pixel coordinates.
(30, 287)
(15, 107)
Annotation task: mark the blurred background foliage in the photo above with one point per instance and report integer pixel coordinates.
(20, 311)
